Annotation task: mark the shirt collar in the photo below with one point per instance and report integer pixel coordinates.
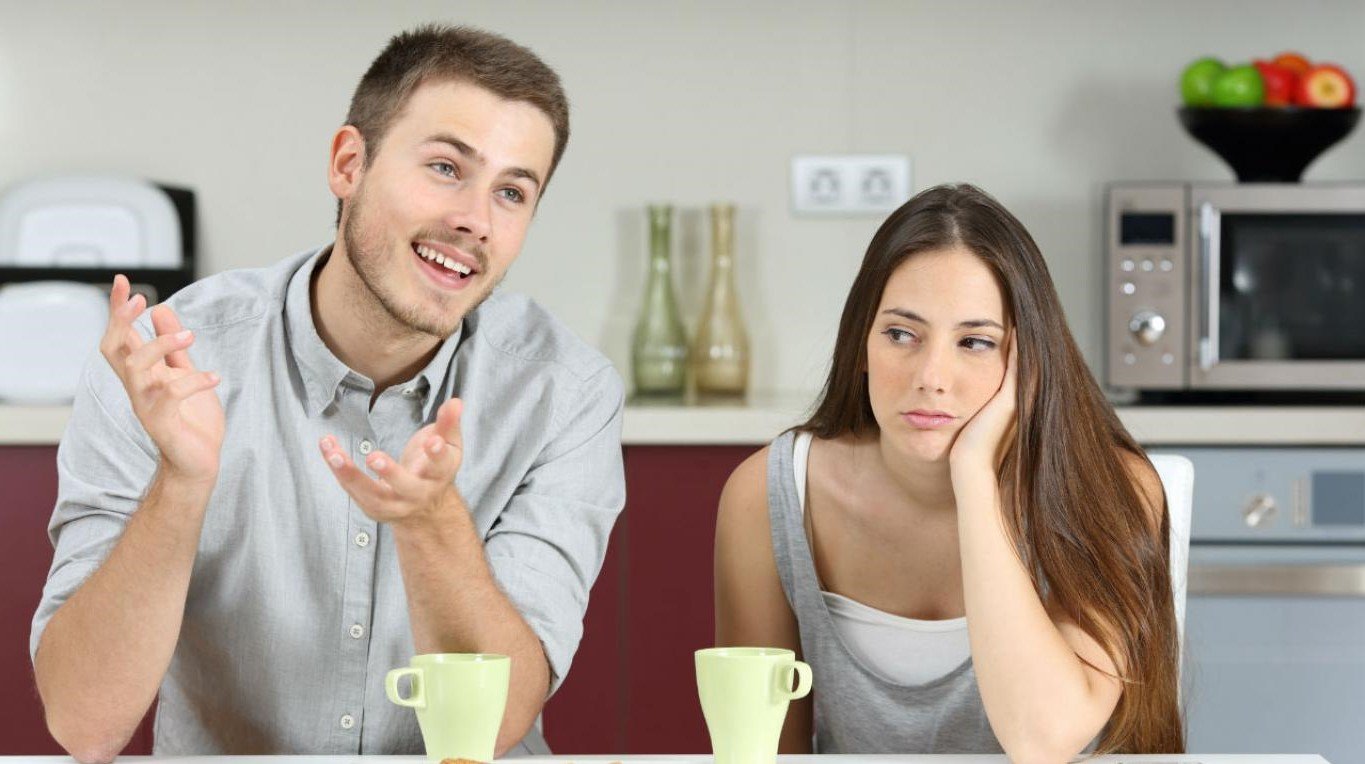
(322, 372)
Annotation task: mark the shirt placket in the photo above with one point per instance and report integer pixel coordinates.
(395, 418)
(357, 614)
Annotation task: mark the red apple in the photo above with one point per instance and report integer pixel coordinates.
(1279, 83)
(1293, 62)
(1326, 86)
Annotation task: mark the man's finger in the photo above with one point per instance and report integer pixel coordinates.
(165, 321)
(448, 421)
(190, 384)
(367, 492)
(156, 350)
(399, 479)
(118, 293)
(439, 458)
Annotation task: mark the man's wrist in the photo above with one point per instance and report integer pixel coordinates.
(184, 485)
(446, 515)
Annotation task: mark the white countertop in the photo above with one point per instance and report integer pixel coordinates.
(766, 415)
(706, 759)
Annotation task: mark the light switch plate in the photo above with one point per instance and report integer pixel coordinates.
(849, 185)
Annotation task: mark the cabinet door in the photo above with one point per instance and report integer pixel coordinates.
(632, 688)
(669, 609)
(29, 475)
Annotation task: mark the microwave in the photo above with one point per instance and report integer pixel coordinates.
(1220, 289)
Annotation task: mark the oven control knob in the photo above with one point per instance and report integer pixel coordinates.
(1259, 510)
(1147, 327)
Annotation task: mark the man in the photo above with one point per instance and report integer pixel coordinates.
(356, 455)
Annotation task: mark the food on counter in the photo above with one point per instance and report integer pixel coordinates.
(1196, 83)
(1280, 82)
(1326, 86)
(1239, 86)
(1292, 61)
(1289, 79)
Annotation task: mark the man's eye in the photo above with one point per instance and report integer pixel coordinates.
(513, 195)
(444, 168)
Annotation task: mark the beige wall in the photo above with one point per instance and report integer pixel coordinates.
(1040, 103)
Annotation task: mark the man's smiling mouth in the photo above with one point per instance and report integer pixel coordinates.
(449, 263)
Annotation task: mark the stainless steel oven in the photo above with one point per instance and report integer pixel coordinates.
(1275, 615)
(1235, 287)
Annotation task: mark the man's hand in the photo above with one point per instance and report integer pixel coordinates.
(172, 399)
(414, 487)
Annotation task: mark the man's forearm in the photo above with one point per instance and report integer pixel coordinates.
(455, 606)
(105, 651)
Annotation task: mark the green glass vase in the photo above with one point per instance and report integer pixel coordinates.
(658, 356)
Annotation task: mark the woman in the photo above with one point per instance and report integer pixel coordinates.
(963, 541)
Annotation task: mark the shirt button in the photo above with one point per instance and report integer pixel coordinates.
(347, 721)
(362, 539)
(366, 446)
(357, 631)
(409, 393)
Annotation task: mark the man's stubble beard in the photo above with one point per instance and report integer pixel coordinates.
(370, 266)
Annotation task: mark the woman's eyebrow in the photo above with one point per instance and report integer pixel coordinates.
(974, 323)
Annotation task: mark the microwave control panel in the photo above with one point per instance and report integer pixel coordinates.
(1147, 270)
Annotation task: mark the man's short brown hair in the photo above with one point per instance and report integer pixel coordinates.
(438, 52)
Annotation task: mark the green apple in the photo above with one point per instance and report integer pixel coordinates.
(1196, 84)
(1239, 86)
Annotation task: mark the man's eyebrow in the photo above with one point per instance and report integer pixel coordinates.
(463, 148)
(974, 323)
(472, 153)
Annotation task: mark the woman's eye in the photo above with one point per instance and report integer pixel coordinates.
(978, 343)
(898, 336)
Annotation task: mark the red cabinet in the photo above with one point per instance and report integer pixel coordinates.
(29, 477)
(631, 688)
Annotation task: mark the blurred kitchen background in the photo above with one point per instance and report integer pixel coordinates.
(1041, 104)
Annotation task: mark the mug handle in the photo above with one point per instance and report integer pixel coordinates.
(802, 670)
(418, 698)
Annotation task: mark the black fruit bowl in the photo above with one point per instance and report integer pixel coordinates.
(1268, 144)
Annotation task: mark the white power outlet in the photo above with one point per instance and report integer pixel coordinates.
(850, 184)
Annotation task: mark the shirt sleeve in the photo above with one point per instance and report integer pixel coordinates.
(547, 546)
(105, 462)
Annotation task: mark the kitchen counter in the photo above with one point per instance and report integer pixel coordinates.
(707, 759)
(766, 415)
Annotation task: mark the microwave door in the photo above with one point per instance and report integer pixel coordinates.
(1278, 296)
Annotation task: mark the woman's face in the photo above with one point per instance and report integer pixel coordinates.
(934, 355)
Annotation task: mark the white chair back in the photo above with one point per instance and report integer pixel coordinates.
(1177, 478)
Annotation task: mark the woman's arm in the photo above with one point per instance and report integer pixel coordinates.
(1045, 704)
(751, 609)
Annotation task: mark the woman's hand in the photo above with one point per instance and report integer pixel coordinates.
(980, 445)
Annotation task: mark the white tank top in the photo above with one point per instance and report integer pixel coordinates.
(903, 650)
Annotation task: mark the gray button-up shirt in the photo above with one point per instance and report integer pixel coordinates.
(296, 607)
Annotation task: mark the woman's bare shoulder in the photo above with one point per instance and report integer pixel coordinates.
(1148, 484)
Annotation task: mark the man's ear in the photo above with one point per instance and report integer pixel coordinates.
(347, 165)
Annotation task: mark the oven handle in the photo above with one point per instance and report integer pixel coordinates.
(1269, 580)
(1209, 235)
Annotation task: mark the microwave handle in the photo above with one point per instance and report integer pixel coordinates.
(1209, 230)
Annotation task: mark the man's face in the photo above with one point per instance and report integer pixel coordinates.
(441, 212)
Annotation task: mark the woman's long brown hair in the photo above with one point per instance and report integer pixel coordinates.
(1072, 510)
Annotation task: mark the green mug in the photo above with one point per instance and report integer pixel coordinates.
(459, 698)
(744, 694)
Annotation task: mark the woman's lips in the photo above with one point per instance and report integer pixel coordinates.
(928, 420)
